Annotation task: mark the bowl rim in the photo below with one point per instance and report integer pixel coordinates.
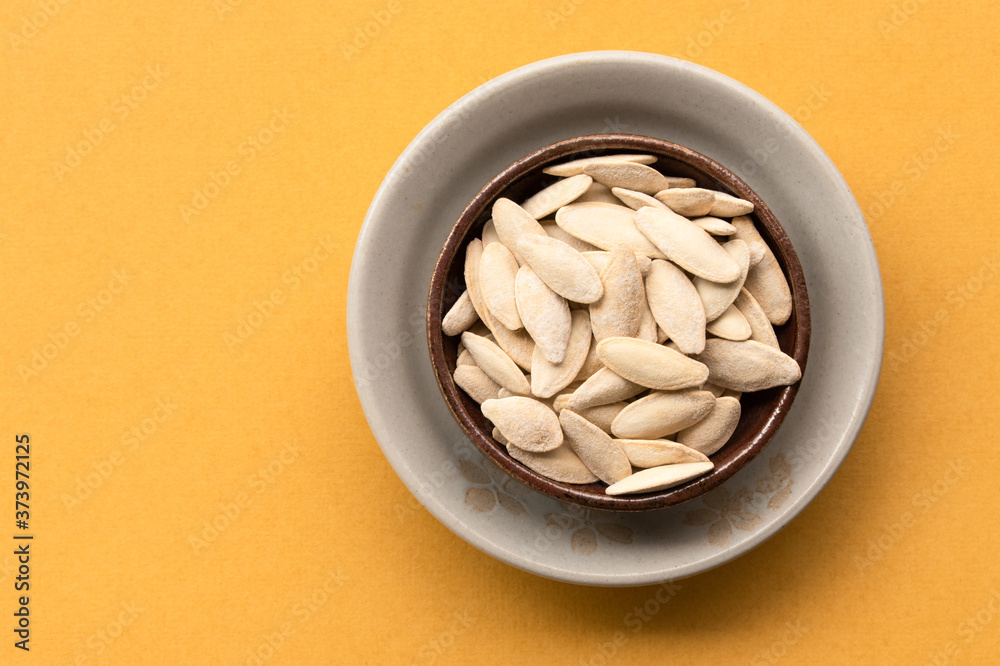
(724, 180)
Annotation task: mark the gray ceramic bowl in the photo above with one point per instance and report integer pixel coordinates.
(762, 411)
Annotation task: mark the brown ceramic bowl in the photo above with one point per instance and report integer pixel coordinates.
(762, 411)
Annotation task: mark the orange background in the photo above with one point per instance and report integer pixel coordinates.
(174, 337)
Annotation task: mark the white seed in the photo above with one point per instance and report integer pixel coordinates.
(619, 310)
(557, 232)
(512, 222)
(766, 281)
(731, 325)
(460, 316)
(757, 251)
(548, 378)
(600, 259)
(715, 226)
(717, 296)
(655, 452)
(595, 448)
(712, 432)
(648, 329)
(576, 166)
(687, 201)
(526, 423)
(676, 306)
(603, 416)
(473, 257)
(602, 388)
(556, 195)
(544, 313)
(650, 364)
(748, 365)
(659, 478)
(678, 181)
(566, 271)
(713, 389)
(464, 358)
(605, 226)
(591, 364)
(635, 200)
(497, 269)
(760, 328)
(662, 413)
(559, 464)
(726, 205)
(628, 175)
(686, 244)
(475, 382)
(495, 363)
(516, 344)
(599, 193)
(490, 233)
(561, 402)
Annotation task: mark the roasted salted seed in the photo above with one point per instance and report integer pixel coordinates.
(557, 232)
(713, 389)
(473, 257)
(748, 365)
(716, 296)
(651, 365)
(689, 201)
(512, 222)
(497, 269)
(655, 452)
(526, 423)
(662, 413)
(565, 270)
(766, 281)
(561, 402)
(686, 244)
(648, 328)
(676, 306)
(556, 195)
(599, 193)
(635, 200)
(495, 363)
(605, 226)
(726, 205)
(595, 448)
(715, 226)
(602, 416)
(731, 325)
(475, 382)
(544, 313)
(619, 310)
(516, 344)
(464, 358)
(602, 388)
(490, 233)
(591, 364)
(659, 478)
(576, 166)
(549, 378)
(460, 316)
(712, 432)
(628, 175)
(760, 328)
(559, 464)
(600, 259)
(757, 251)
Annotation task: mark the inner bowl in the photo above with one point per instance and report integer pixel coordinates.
(762, 411)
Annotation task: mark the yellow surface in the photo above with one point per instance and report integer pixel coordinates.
(190, 360)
